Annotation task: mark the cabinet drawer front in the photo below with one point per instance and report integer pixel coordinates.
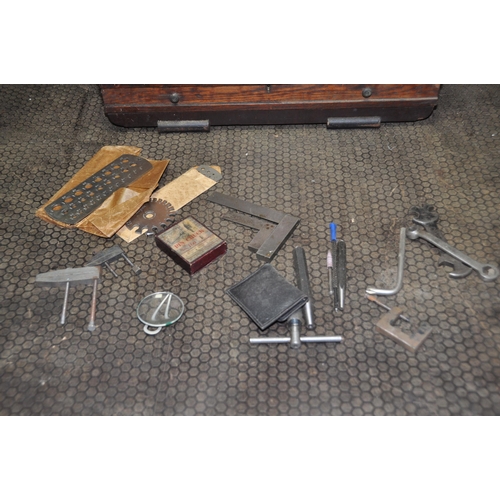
(220, 95)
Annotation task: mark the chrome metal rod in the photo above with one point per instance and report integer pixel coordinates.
(336, 338)
(302, 277)
(401, 263)
(386, 307)
(65, 304)
(136, 269)
(270, 340)
(93, 308)
(294, 328)
(286, 340)
(110, 269)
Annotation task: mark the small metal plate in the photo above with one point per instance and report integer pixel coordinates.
(409, 340)
(209, 172)
(82, 200)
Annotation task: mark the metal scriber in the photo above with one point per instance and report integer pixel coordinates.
(488, 272)
(385, 306)
(341, 273)
(331, 262)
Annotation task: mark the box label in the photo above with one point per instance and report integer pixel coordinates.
(190, 239)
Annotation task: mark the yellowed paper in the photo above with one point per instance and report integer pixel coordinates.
(118, 208)
(178, 193)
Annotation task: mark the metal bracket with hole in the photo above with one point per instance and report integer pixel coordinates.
(209, 172)
(82, 200)
(272, 234)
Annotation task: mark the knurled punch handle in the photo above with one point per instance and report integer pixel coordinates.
(341, 272)
(488, 272)
(302, 276)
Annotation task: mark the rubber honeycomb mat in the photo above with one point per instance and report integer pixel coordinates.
(364, 180)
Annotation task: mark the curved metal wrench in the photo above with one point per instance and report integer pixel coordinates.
(488, 272)
(427, 217)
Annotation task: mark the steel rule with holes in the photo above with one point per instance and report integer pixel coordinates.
(82, 200)
(271, 237)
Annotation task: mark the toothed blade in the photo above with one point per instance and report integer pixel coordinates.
(154, 216)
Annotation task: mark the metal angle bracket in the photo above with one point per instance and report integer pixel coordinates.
(273, 233)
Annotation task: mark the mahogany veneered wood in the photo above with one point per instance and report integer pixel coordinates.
(145, 105)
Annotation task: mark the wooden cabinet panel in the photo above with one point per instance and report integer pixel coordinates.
(145, 105)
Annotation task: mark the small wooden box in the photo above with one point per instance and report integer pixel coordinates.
(190, 244)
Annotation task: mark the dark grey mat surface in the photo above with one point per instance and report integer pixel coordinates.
(364, 180)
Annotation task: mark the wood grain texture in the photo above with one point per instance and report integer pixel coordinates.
(144, 105)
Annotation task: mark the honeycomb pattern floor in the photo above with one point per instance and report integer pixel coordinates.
(364, 180)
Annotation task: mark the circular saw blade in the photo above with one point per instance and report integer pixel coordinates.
(155, 215)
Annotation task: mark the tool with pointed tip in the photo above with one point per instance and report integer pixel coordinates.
(331, 263)
(341, 273)
(488, 272)
(427, 217)
(385, 306)
(73, 276)
(109, 255)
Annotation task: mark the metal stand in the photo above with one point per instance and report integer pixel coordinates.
(78, 276)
